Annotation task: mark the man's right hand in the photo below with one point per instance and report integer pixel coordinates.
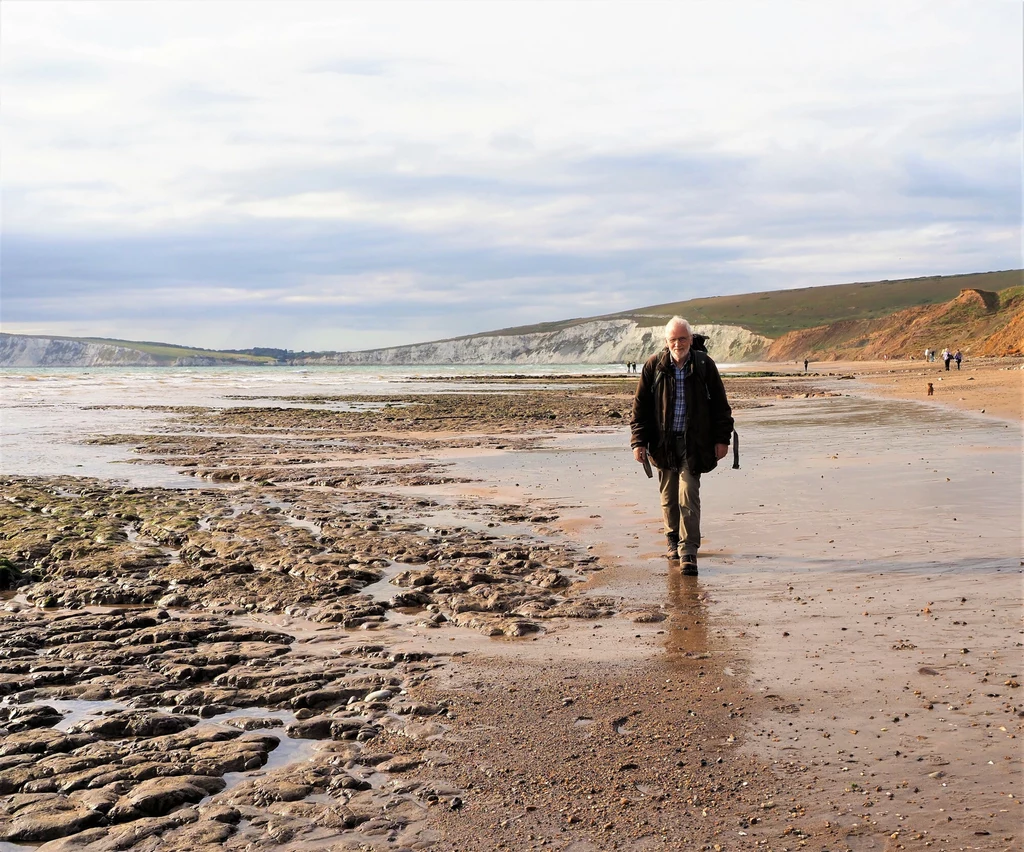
(640, 454)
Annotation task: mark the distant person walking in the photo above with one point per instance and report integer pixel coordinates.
(947, 356)
(682, 423)
(927, 355)
(958, 357)
(806, 362)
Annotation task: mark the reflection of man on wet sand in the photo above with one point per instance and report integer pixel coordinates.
(687, 627)
(682, 421)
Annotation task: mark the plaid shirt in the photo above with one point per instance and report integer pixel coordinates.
(679, 413)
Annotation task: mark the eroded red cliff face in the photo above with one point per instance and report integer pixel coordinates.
(977, 322)
(1009, 340)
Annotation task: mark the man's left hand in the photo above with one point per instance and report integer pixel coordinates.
(721, 450)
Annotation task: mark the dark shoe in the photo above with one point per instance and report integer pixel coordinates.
(673, 548)
(689, 564)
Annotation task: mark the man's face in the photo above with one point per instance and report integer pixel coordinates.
(679, 340)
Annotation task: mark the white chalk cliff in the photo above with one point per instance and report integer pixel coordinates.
(590, 342)
(18, 350)
(612, 341)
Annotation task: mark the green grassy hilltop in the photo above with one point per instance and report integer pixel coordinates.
(777, 312)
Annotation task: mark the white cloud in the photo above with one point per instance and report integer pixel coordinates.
(602, 148)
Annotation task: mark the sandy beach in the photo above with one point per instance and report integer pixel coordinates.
(449, 618)
(993, 386)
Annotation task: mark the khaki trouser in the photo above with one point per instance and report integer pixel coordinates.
(680, 508)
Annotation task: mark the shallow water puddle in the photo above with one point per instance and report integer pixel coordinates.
(384, 590)
(75, 710)
(284, 508)
(288, 751)
(449, 515)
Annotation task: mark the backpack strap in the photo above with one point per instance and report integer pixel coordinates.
(700, 369)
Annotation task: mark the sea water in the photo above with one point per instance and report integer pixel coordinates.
(47, 415)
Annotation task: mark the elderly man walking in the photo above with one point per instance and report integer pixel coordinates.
(683, 423)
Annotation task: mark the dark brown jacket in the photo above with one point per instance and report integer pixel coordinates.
(708, 414)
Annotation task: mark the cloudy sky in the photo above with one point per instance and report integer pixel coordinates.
(346, 175)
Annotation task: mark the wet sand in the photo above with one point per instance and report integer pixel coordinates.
(843, 674)
(859, 599)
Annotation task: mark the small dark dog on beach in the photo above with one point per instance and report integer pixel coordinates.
(931, 389)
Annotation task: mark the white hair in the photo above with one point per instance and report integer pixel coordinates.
(677, 321)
